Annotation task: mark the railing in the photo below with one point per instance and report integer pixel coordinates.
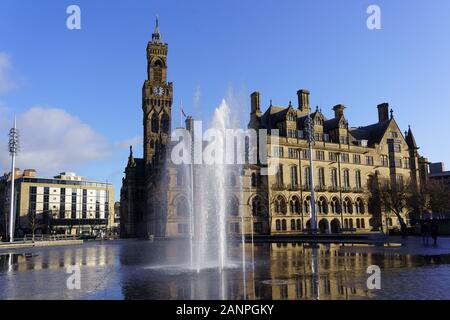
(321, 188)
(306, 187)
(333, 189)
(41, 237)
(278, 187)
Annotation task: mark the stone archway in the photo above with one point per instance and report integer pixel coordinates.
(335, 226)
(323, 226)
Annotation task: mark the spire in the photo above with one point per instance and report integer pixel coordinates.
(156, 36)
(410, 140)
(131, 162)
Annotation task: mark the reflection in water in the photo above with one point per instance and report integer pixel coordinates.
(145, 270)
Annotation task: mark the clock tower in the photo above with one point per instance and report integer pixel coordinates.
(156, 101)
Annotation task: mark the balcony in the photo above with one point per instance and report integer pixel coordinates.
(333, 189)
(347, 189)
(279, 187)
(320, 188)
(294, 187)
(358, 190)
(306, 187)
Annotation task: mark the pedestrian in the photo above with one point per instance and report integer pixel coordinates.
(425, 230)
(434, 229)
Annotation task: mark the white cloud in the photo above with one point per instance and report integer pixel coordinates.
(6, 82)
(52, 140)
(135, 142)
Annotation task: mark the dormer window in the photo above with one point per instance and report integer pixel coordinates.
(318, 121)
(291, 117)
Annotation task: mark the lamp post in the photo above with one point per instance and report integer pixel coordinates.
(310, 138)
(13, 149)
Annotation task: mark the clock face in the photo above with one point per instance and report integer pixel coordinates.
(159, 91)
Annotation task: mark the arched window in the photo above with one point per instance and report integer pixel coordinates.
(182, 208)
(321, 172)
(155, 124)
(279, 175)
(157, 69)
(358, 224)
(232, 179)
(294, 176)
(280, 205)
(307, 205)
(295, 205)
(348, 206)
(292, 224)
(254, 180)
(291, 117)
(180, 177)
(384, 161)
(283, 225)
(299, 225)
(278, 225)
(360, 208)
(334, 178)
(307, 182)
(346, 223)
(350, 223)
(256, 206)
(358, 180)
(363, 223)
(165, 123)
(334, 204)
(233, 207)
(322, 205)
(346, 178)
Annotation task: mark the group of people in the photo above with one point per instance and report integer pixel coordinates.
(429, 230)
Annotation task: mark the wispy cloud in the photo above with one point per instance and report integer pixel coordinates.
(7, 83)
(53, 140)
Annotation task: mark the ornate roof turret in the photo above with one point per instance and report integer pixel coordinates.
(131, 161)
(410, 140)
(156, 36)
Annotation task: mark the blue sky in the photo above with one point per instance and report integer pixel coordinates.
(91, 79)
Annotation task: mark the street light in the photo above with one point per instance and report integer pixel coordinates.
(310, 138)
(13, 149)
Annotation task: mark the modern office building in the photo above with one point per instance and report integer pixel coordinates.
(65, 204)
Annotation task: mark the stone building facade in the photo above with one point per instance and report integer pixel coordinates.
(345, 158)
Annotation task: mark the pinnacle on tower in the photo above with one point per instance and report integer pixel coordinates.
(156, 36)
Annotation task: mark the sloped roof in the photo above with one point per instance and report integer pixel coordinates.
(410, 140)
(373, 133)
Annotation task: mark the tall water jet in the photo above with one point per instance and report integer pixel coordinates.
(207, 189)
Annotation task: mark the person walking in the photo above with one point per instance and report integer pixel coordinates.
(434, 229)
(425, 230)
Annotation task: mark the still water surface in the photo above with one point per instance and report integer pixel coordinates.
(129, 269)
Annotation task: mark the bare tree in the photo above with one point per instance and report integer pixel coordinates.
(34, 221)
(438, 193)
(392, 197)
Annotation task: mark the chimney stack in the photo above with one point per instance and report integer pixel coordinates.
(303, 100)
(383, 112)
(338, 111)
(190, 124)
(255, 102)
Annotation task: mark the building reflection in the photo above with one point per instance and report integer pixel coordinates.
(144, 270)
(283, 271)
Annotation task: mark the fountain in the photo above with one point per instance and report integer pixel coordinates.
(208, 194)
